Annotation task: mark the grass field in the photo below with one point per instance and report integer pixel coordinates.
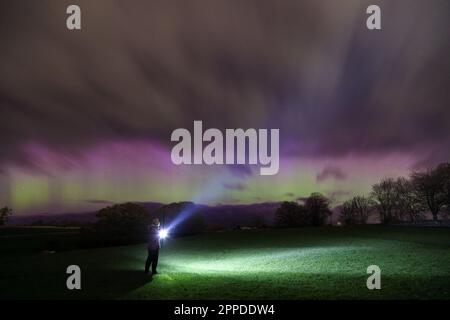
(325, 263)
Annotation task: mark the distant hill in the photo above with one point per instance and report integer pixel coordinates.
(80, 218)
(68, 218)
(234, 215)
(224, 215)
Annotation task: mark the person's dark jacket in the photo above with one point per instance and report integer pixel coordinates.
(153, 238)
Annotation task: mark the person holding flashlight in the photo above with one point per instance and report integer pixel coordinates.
(153, 246)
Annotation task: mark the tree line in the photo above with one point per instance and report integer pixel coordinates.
(5, 213)
(127, 223)
(403, 199)
(312, 212)
(394, 199)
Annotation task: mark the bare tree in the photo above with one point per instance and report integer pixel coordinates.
(407, 201)
(291, 214)
(318, 208)
(356, 210)
(443, 170)
(384, 195)
(5, 213)
(363, 207)
(429, 186)
(348, 213)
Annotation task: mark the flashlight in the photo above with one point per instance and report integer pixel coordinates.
(163, 233)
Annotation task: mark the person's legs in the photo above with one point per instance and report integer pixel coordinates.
(155, 261)
(148, 262)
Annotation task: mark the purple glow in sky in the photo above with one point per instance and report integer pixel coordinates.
(86, 116)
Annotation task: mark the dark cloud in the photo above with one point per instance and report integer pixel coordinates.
(331, 172)
(310, 68)
(235, 186)
(241, 170)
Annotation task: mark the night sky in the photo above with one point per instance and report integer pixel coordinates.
(86, 116)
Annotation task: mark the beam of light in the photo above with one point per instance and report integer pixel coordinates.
(213, 190)
(306, 260)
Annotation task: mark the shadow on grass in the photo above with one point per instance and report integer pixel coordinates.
(95, 284)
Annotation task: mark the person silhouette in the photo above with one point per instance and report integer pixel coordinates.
(153, 246)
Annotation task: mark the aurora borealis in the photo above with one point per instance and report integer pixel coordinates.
(86, 116)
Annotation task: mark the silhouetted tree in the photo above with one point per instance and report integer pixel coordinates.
(363, 207)
(291, 214)
(285, 215)
(356, 210)
(122, 224)
(5, 213)
(384, 195)
(318, 209)
(407, 201)
(429, 186)
(348, 213)
(443, 170)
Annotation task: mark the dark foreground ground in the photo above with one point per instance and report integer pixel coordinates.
(324, 263)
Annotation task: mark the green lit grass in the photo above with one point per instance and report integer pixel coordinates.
(327, 263)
